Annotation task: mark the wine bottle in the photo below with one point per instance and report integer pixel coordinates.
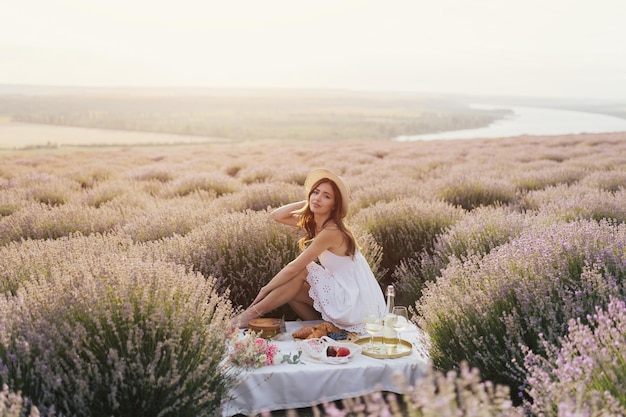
(389, 334)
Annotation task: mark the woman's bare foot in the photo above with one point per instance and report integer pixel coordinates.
(244, 318)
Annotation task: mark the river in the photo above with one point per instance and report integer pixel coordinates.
(522, 121)
(532, 121)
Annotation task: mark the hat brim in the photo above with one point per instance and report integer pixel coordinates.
(320, 173)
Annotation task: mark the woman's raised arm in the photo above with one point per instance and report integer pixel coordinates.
(285, 214)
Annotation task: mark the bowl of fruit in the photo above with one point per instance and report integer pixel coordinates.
(327, 350)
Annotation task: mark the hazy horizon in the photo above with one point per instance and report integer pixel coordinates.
(485, 47)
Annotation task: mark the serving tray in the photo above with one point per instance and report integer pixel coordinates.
(385, 353)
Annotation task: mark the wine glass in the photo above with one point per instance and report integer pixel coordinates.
(400, 322)
(373, 323)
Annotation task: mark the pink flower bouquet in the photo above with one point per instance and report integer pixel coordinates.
(253, 352)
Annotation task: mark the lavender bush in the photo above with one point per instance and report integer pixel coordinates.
(260, 196)
(89, 177)
(114, 335)
(242, 251)
(405, 228)
(470, 191)
(33, 260)
(12, 404)
(9, 203)
(39, 221)
(475, 234)
(461, 393)
(435, 394)
(579, 202)
(106, 193)
(255, 174)
(216, 184)
(612, 180)
(384, 190)
(46, 189)
(483, 309)
(542, 174)
(174, 216)
(156, 172)
(586, 374)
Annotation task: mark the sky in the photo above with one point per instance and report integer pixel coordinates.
(535, 48)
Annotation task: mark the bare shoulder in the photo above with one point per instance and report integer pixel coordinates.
(334, 239)
(331, 226)
(330, 234)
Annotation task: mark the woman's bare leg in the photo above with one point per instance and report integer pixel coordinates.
(302, 304)
(286, 293)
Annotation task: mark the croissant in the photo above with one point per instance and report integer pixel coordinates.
(303, 333)
(317, 333)
(319, 330)
(328, 328)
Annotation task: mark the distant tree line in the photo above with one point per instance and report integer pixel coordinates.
(249, 118)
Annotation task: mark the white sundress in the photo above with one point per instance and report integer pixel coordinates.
(341, 288)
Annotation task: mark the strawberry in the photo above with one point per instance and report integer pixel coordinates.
(331, 351)
(343, 351)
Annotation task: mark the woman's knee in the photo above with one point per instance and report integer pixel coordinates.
(303, 274)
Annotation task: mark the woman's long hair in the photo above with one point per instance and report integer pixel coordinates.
(307, 219)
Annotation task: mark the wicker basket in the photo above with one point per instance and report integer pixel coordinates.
(266, 326)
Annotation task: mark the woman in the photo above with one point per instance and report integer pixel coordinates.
(344, 284)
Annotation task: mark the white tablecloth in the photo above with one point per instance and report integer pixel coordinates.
(289, 386)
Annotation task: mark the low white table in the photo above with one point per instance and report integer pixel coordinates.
(289, 386)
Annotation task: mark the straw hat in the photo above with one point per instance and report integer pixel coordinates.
(317, 174)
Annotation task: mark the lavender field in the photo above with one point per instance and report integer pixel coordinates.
(122, 267)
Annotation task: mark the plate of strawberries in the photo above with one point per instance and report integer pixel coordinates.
(326, 350)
